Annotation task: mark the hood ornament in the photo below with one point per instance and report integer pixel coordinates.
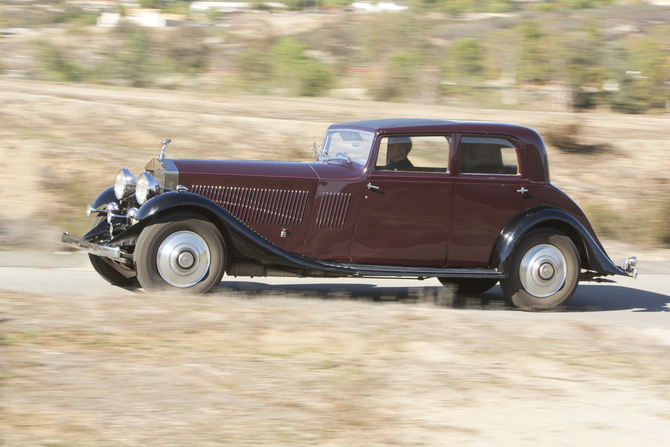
(161, 156)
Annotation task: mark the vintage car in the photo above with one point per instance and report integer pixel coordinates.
(469, 203)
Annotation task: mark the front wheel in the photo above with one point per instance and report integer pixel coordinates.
(180, 252)
(544, 271)
(114, 272)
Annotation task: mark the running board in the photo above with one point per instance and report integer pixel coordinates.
(420, 272)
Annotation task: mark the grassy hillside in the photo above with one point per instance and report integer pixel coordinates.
(577, 55)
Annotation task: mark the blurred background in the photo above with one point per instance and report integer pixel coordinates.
(90, 86)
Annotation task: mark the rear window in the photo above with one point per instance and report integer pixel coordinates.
(488, 155)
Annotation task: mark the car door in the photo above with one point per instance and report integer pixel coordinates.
(405, 210)
(490, 188)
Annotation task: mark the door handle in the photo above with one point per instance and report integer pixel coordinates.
(371, 186)
(522, 190)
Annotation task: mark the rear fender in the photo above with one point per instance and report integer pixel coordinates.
(528, 220)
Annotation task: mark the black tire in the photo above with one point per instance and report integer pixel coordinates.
(544, 272)
(113, 272)
(469, 286)
(182, 253)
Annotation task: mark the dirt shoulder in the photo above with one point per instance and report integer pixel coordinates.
(239, 369)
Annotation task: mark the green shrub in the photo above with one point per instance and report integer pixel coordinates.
(186, 51)
(467, 57)
(298, 73)
(134, 61)
(75, 15)
(57, 66)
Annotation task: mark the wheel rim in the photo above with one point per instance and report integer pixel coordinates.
(543, 270)
(183, 259)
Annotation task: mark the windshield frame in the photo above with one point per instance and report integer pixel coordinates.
(327, 154)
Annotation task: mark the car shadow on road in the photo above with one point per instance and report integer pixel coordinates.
(587, 298)
(438, 295)
(607, 297)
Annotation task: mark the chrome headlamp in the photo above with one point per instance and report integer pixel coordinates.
(147, 187)
(125, 184)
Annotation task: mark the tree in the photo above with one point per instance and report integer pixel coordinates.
(535, 65)
(641, 77)
(579, 62)
(134, 62)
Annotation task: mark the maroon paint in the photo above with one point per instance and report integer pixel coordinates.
(296, 234)
(482, 208)
(408, 221)
(405, 221)
(552, 196)
(331, 242)
(266, 169)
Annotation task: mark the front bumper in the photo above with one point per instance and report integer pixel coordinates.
(628, 266)
(95, 249)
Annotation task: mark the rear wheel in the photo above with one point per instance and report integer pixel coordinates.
(113, 272)
(470, 286)
(544, 272)
(180, 252)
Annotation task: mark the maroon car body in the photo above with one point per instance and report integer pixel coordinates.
(473, 196)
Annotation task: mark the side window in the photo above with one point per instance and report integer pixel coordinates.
(488, 155)
(423, 154)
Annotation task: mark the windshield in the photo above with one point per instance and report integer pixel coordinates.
(346, 145)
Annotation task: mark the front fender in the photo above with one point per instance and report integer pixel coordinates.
(529, 219)
(245, 240)
(105, 197)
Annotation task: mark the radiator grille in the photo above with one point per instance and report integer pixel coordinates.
(259, 206)
(333, 210)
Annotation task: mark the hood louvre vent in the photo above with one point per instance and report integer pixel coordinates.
(259, 206)
(333, 210)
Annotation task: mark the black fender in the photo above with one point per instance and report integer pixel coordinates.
(246, 241)
(104, 198)
(531, 218)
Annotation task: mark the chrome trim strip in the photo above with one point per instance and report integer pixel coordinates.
(94, 249)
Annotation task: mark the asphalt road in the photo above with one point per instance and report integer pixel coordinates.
(643, 303)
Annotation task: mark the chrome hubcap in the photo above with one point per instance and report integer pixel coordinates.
(543, 270)
(183, 259)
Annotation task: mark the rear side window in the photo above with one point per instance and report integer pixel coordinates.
(488, 155)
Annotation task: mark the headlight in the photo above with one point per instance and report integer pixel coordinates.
(147, 187)
(125, 183)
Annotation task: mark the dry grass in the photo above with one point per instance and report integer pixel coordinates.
(237, 370)
(568, 137)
